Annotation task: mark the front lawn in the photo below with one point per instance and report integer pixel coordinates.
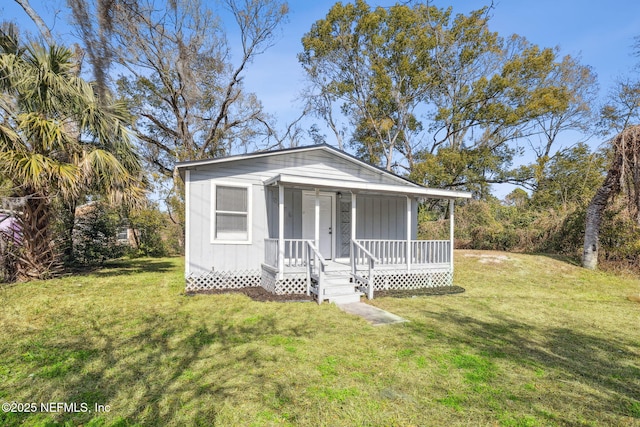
(533, 341)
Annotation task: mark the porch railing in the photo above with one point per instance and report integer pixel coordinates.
(360, 252)
(316, 265)
(430, 251)
(385, 252)
(393, 252)
(294, 255)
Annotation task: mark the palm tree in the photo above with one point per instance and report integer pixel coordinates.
(57, 141)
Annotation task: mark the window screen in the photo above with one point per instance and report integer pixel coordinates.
(232, 212)
(231, 199)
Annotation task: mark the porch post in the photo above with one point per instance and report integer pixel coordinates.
(280, 232)
(408, 233)
(451, 235)
(353, 216)
(317, 225)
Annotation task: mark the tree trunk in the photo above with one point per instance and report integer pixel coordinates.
(610, 187)
(67, 220)
(38, 258)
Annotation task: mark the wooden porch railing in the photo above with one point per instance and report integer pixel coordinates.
(430, 251)
(394, 252)
(360, 252)
(385, 252)
(316, 266)
(294, 255)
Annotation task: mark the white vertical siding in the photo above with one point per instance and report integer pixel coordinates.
(381, 217)
(205, 256)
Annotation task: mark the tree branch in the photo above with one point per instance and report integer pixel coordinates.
(44, 30)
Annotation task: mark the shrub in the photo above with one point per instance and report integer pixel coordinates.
(94, 235)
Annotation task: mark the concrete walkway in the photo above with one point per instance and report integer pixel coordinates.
(374, 315)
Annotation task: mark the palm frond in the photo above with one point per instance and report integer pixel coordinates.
(45, 133)
(59, 134)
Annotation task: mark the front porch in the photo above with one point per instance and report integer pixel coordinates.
(334, 239)
(376, 265)
(313, 259)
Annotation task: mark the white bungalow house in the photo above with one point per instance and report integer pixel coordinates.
(312, 220)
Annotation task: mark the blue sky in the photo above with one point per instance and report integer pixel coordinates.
(601, 35)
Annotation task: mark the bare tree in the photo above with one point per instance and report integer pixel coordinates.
(179, 74)
(177, 69)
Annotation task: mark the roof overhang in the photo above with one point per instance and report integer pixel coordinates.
(359, 186)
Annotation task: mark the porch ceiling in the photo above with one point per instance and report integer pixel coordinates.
(363, 186)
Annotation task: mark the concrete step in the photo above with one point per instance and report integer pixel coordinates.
(344, 299)
(338, 289)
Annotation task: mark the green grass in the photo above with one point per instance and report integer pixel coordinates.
(533, 341)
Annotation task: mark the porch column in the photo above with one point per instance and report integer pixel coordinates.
(408, 233)
(280, 232)
(451, 234)
(353, 216)
(317, 220)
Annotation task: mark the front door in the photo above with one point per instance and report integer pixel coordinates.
(326, 221)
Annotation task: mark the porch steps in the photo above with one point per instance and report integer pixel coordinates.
(338, 290)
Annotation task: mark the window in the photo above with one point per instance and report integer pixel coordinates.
(231, 214)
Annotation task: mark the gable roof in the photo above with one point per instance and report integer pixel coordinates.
(181, 166)
(405, 185)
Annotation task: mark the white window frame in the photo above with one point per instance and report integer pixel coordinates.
(248, 187)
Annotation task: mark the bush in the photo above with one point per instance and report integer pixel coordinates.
(94, 235)
(155, 234)
(490, 225)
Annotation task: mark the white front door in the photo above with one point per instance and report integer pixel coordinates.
(326, 221)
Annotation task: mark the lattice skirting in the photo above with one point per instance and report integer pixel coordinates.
(222, 280)
(269, 280)
(401, 279)
(291, 284)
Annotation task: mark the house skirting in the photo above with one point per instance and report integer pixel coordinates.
(296, 282)
(415, 279)
(222, 280)
(291, 283)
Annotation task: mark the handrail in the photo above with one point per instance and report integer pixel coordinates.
(366, 252)
(370, 281)
(321, 265)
